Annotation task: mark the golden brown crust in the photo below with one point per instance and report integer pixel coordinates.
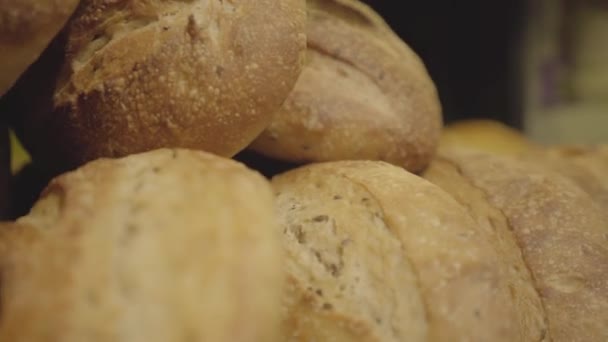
(26, 28)
(348, 276)
(163, 246)
(137, 75)
(562, 234)
(465, 295)
(362, 95)
(495, 229)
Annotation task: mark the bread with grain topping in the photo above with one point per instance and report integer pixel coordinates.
(363, 95)
(465, 296)
(163, 246)
(131, 76)
(26, 29)
(562, 233)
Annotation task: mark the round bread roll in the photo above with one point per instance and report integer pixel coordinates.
(335, 218)
(486, 136)
(131, 76)
(170, 245)
(26, 29)
(562, 234)
(363, 95)
(497, 233)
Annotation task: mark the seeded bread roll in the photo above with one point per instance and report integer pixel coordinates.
(563, 236)
(495, 229)
(26, 29)
(348, 278)
(466, 297)
(162, 246)
(363, 95)
(134, 75)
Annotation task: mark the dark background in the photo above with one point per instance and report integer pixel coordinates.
(471, 50)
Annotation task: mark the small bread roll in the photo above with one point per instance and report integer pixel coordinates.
(562, 234)
(363, 95)
(170, 245)
(26, 29)
(348, 278)
(465, 295)
(495, 229)
(131, 76)
(486, 136)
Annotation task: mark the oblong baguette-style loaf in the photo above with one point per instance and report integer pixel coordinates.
(466, 296)
(170, 245)
(133, 75)
(26, 29)
(563, 236)
(348, 278)
(363, 95)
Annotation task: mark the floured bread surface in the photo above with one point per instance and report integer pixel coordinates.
(348, 277)
(26, 29)
(494, 227)
(170, 245)
(466, 296)
(134, 75)
(363, 94)
(563, 236)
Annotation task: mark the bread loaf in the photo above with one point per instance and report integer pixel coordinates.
(348, 277)
(26, 28)
(162, 246)
(134, 75)
(494, 227)
(363, 94)
(466, 297)
(563, 236)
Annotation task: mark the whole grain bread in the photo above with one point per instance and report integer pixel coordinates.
(363, 95)
(162, 246)
(134, 75)
(466, 297)
(26, 29)
(563, 236)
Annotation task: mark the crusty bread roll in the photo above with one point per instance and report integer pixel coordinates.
(348, 276)
(562, 234)
(135, 75)
(169, 245)
(487, 136)
(497, 234)
(363, 94)
(26, 28)
(466, 296)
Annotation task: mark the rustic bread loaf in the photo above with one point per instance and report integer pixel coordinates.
(363, 94)
(348, 278)
(162, 246)
(26, 29)
(563, 236)
(466, 297)
(494, 227)
(487, 136)
(134, 75)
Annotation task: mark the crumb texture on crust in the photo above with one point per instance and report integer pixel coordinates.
(170, 245)
(363, 94)
(134, 75)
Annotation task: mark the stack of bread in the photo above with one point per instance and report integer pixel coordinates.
(275, 170)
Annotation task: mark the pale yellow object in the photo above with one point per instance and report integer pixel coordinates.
(485, 136)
